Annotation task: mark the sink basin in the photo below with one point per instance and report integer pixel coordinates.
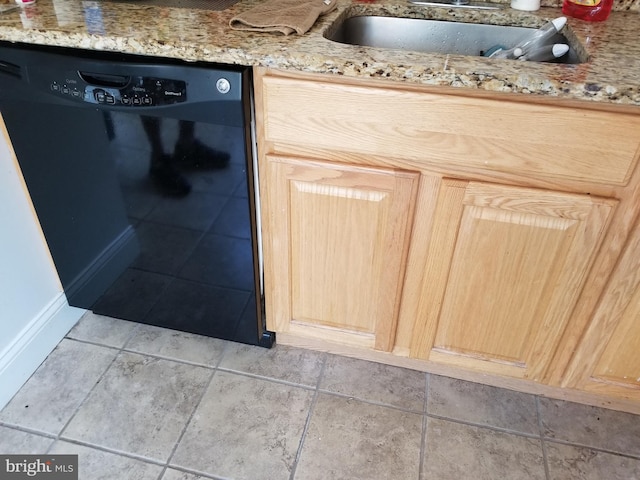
(433, 36)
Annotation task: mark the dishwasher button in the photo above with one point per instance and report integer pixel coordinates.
(223, 85)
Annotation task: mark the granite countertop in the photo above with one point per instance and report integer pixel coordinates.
(611, 75)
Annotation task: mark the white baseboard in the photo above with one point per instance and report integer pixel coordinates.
(35, 341)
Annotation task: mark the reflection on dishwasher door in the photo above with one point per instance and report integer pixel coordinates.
(186, 199)
(141, 176)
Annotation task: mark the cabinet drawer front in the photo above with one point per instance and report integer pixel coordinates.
(493, 135)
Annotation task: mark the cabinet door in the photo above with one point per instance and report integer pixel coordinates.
(607, 360)
(335, 239)
(504, 271)
(618, 367)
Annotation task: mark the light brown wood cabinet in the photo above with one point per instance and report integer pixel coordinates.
(607, 360)
(338, 237)
(506, 265)
(613, 366)
(410, 225)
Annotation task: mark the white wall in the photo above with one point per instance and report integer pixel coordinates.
(34, 313)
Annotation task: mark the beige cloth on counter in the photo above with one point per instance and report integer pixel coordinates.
(284, 16)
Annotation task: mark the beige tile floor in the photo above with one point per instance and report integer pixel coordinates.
(139, 402)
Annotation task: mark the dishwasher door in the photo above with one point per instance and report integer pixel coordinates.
(140, 171)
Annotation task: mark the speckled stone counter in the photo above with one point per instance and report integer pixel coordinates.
(612, 73)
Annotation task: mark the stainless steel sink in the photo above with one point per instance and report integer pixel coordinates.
(433, 36)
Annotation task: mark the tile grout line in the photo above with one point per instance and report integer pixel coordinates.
(486, 427)
(56, 436)
(29, 430)
(124, 349)
(165, 466)
(187, 423)
(589, 447)
(381, 404)
(141, 458)
(91, 342)
(131, 455)
(314, 401)
(546, 439)
(134, 332)
(94, 386)
(545, 460)
(423, 437)
(170, 359)
(265, 378)
(196, 473)
(253, 375)
(257, 376)
(373, 402)
(121, 453)
(193, 412)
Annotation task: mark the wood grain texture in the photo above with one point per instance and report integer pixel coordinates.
(607, 359)
(586, 145)
(412, 293)
(344, 234)
(509, 264)
(620, 361)
(558, 162)
(440, 252)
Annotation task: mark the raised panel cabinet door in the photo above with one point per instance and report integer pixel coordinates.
(607, 360)
(505, 268)
(336, 239)
(618, 368)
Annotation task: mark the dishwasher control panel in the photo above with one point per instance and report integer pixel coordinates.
(116, 90)
(101, 80)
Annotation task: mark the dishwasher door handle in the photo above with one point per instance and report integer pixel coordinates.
(104, 79)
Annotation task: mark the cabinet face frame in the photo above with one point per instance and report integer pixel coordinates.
(341, 237)
(487, 237)
(616, 129)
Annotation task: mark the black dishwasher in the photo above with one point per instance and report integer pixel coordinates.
(141, 174)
